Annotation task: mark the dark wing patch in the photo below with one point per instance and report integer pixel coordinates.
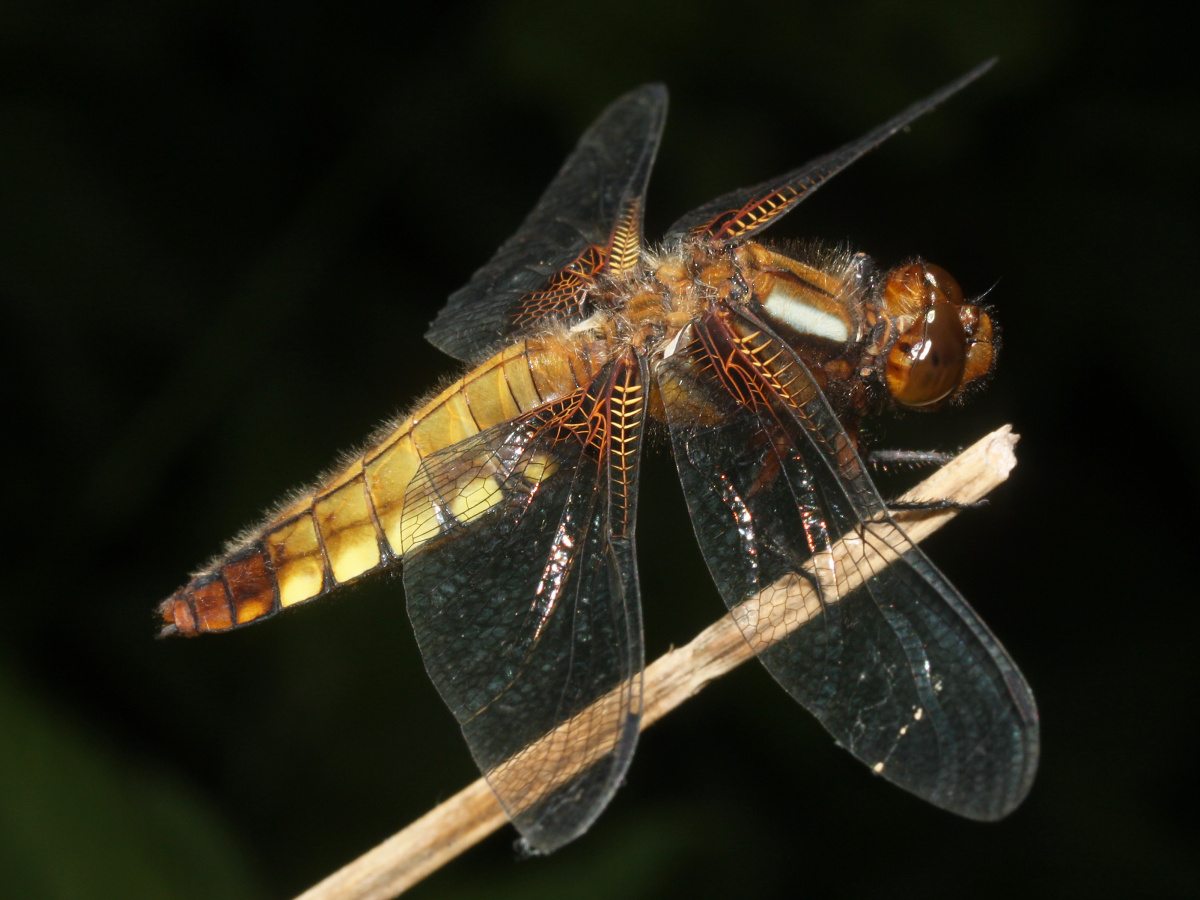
(525, 601)
(591, 209)
(736, 216)
(844, 611)
(564, 293)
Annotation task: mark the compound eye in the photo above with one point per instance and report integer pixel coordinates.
(944, 282)
(926, 363)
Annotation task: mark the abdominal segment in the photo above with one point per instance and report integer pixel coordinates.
(365, 517)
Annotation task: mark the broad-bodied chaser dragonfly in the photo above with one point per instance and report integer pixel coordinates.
(509, 499)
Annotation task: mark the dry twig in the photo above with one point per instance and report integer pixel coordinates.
(469, 816)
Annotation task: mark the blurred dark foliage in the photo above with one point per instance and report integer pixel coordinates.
(223, 228)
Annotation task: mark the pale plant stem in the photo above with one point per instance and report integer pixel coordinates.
(473, 813)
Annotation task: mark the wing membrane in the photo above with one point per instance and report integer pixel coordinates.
(739, 214)
(844, 611)
(590, 214)
(523, 594)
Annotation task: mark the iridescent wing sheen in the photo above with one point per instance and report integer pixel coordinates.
(587, 222)
(844, 611)
(736, 216)
(523, 592)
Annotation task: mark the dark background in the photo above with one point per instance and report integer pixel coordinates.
(223, 228)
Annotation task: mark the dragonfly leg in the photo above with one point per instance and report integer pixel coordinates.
(920, 505)
(882, 459)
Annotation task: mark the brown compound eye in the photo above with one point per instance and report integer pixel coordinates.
(926, 363)
(944, 282)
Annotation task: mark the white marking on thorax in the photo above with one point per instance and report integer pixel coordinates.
(803, 317)
(674, 344)
(592, 321)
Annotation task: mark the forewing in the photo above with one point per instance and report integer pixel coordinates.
(522, 589)
(843, 610)
(736, 216)
(588, 218)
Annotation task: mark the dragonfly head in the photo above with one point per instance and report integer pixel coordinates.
(943, 344)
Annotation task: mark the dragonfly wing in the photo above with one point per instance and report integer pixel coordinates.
(844, 611)
(589, 217)
(738, 215)
(522, 589)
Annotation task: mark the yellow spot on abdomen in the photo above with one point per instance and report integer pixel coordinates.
(446, 423)
(476, 497)
(345, 522)
(540, 467)
(296, 557)
(388, 476)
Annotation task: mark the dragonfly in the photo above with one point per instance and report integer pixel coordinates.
(509, 499)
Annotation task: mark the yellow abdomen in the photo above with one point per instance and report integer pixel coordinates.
(364, 518)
